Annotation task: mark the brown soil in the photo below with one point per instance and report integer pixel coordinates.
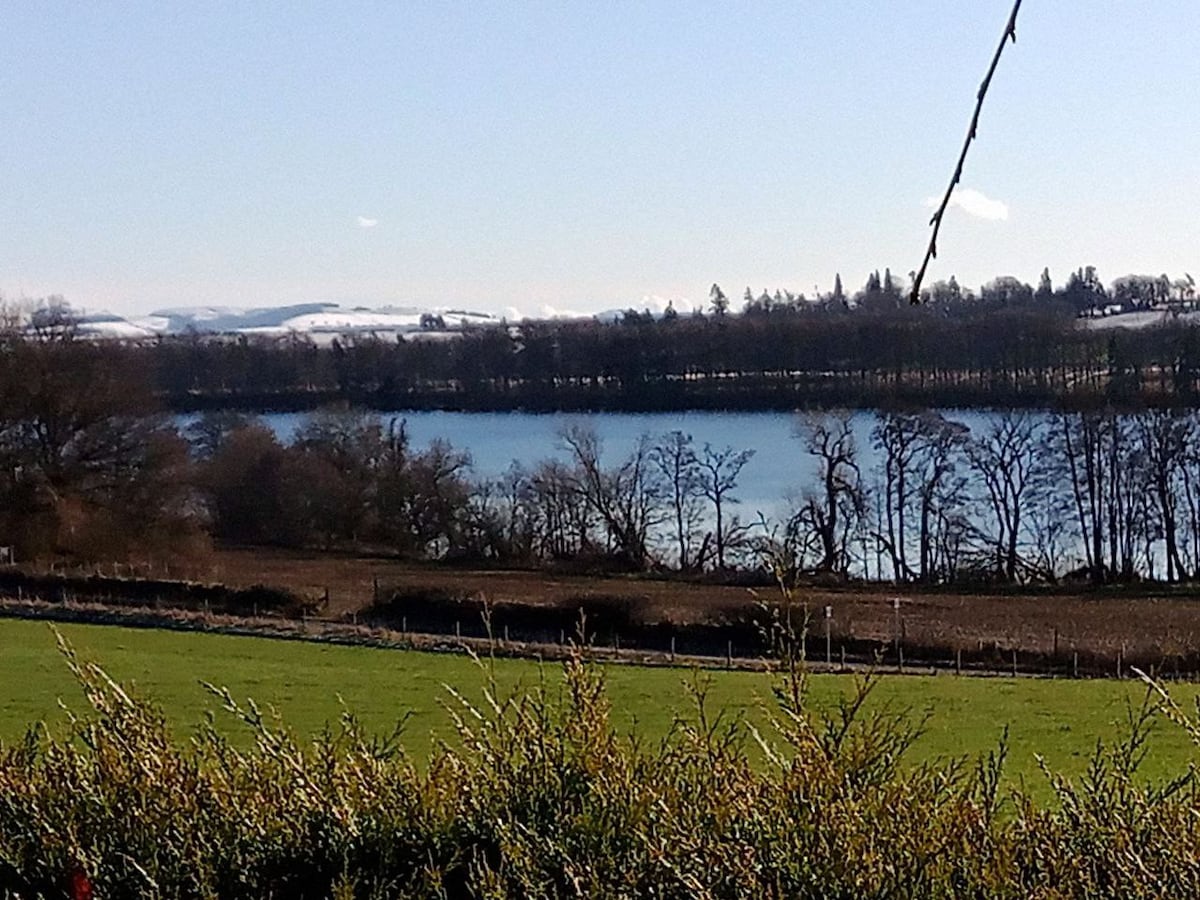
(1138, 621)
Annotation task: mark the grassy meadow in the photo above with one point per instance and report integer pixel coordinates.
(310, 684)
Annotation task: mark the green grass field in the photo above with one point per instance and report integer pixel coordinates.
(1061, 720)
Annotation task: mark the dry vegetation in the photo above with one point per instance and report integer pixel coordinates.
(543, 798)
(1137, 622)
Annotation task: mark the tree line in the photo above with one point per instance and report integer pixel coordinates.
(1018, 357)
(1008, 345)
(89, 469)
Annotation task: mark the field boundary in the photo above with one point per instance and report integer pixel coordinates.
(324, 631)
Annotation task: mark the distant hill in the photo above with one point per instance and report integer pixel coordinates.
(305, 318)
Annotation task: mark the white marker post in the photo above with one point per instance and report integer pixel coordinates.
(828, 636)
(896, 609)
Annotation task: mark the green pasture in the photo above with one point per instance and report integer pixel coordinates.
(308, 683)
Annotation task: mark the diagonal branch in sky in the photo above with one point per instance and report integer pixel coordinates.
(1010, 33)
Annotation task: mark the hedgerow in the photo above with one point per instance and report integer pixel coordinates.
(542, 796)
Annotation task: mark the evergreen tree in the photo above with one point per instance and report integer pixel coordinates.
(718, 301)
(889, 286)
(1045, 288)
(839, 295)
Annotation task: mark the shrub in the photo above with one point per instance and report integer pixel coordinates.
(543, 798)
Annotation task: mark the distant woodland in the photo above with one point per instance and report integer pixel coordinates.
(91, 468)
(1009, 346)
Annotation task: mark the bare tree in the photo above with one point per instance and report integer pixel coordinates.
(562, 520)
(1166, 442)
(337, 456)
(679, 469)
(81, 444)
(1100, 459)
(719, 471)
(1189, 488)
(897, 437)
(516, 517)
(1005, 457)
(626, 498)
(439, 497)
(923, 491)
(831, 512)
(941, 495)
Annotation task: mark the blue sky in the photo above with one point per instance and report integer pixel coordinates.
(580, 156)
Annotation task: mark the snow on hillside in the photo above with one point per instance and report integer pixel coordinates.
(306, 318)
(324, 321)
(1142, 319)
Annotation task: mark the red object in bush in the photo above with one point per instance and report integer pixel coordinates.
(79, 886)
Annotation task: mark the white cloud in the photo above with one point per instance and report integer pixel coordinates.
(364, 222)
(974, 203)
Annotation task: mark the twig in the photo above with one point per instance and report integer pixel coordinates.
(1010, 33)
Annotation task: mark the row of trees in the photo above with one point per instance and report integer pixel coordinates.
(1001, 357)
(1019, 497)
(924, 498)
(87, 468)
(1006, 348)
(1083, 293)
(348, 479)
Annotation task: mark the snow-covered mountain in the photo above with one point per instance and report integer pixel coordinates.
(323, 320)
(327, 319)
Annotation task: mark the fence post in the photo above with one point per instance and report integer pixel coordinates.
(457, 630)
(404, 625)
(828, 637)
(506, 634)
(729, 654)
(672, 648)
(1120, 654)
(843, 657)
(1014, 662)
(562, 636)
(1075, 664)
(899, 651)
(958, 661)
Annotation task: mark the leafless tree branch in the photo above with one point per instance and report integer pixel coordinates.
(1010, 33)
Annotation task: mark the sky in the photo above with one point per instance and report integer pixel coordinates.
(552, 156)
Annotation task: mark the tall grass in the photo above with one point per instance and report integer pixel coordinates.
(543, 797)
